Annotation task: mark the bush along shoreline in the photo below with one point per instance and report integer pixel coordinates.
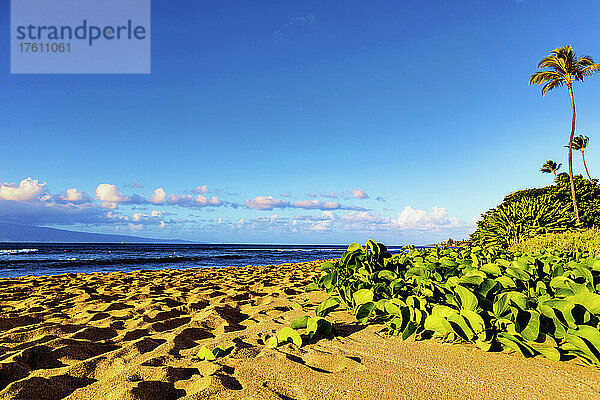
(531, 212)
(545, 303)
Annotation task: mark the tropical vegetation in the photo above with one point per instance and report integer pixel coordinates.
(580, 143)
(563, 67)
(550, 167)
(587, 240)
(544, 303)
(527, 213)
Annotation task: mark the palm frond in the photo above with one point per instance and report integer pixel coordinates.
(550, 167)
(552, 62)
(544, 76)
(551, 85)
(580, 142)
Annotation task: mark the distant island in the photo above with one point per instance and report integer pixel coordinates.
(24, 233)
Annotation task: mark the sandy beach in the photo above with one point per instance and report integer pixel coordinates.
(136, 336)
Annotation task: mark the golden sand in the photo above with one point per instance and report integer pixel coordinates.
(136, 336)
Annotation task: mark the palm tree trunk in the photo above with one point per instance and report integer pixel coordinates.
(585, 166)
(555, 177)
(571, 156)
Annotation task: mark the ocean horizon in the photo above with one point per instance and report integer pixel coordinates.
(38, 259)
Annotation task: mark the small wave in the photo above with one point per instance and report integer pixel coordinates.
(117, 260)
(17, 251)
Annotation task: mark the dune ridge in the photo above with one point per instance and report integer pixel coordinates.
(136, 335)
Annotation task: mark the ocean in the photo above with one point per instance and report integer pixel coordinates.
(20, 259)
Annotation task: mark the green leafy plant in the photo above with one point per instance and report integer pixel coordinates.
(544, 303)
(300, 331)
(210, 355)
(525, 217)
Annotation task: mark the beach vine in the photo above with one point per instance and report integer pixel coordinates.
(544, 303)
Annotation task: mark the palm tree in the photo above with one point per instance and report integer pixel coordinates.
(580, 143)
(564, 68)
(550, 167)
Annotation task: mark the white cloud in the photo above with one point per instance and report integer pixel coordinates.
(109, 195)
(158, 196)
(204, 201)
(154, 218)
(199, 201)
(180, 199)
(27, 190)
(330, 195)
(137, 217)
(73, 195)
(409, 219)
(359, 194)
(269, 203)
(266, 203)
(318, 223)
(202, 189)
(316, 205)
(412, 218)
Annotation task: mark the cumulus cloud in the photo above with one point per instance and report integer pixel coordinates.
(412, 218)
(346, 194)
(73, 195)
(109, 196)
(27, 190)
(269, 203)
(154, 218)
(359, 194)
(272, 223)
(317, 223)
(316, 205)
(409, 219)
(187, 200)
(158, 196)
(266, 203)
(330, 195)
(204, 201)
(180, 199)
(202, 189)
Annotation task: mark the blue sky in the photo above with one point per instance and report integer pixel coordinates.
(417, 116)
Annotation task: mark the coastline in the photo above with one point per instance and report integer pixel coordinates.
(136, 336)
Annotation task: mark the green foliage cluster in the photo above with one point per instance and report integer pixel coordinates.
(545, 303)
(532, 212)
(210, 355)
(515, 220)
(302, 330)
(576, 241)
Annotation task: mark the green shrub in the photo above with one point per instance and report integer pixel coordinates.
(578, 241)
(545, 303)
(522, 218)
(530, 212)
